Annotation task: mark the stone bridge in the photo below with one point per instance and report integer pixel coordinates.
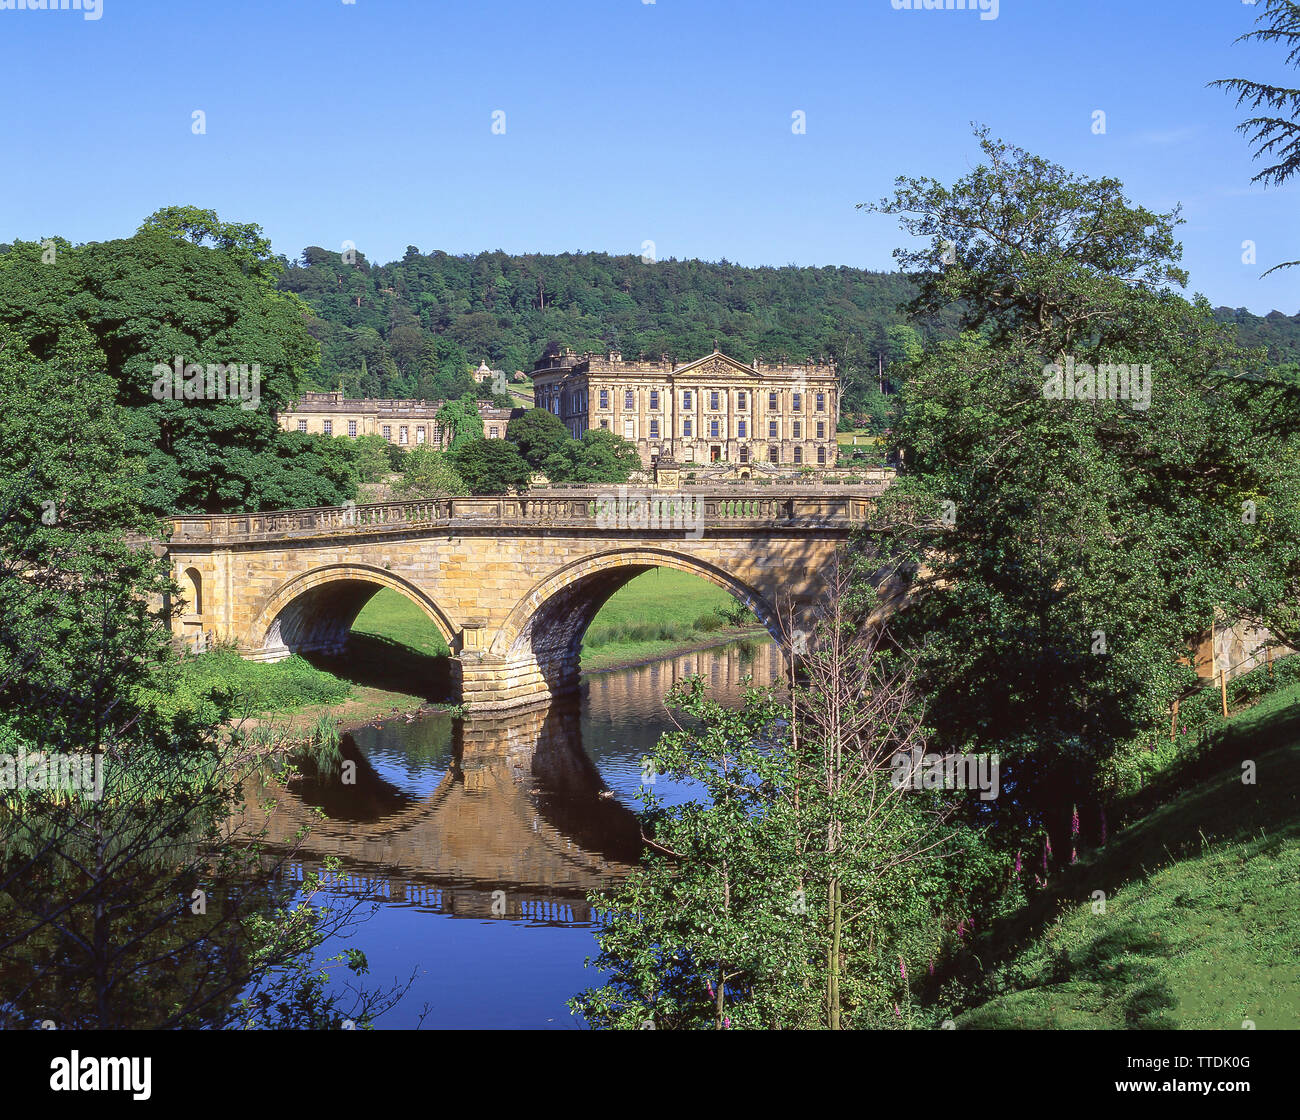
(511, 583)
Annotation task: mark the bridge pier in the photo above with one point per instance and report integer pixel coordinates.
(490, 683)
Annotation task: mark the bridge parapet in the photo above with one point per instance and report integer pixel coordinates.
(756, 509)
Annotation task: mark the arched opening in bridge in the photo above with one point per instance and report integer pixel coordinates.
(658, 610)
(364, 629)
(626, 608)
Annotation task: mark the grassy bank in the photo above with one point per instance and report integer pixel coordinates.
(392, 617)
(659, 613)
(294, 692)
(1201, 924)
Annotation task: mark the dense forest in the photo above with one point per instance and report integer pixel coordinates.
(410, 328)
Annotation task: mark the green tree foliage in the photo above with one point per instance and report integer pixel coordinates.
(1081, 546)
(798, 887)
(508, 310)
(600, 456)
(1275, 131)
(461, 418)
(187, 286)
(99, 922)
(430, 474)
(491, 466)
(538, 433)
(373, 457)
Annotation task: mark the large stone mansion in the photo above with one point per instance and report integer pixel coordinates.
(405, 423)
(712, 410)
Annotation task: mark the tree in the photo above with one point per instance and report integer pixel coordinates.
(1276, 133)
(537, 434)
(461, 418)
(125, 899)
(600, 456)
(430, 473)
(491, 466)
(794, 890)
(164, 298)
(372, 458)
(1069, 549)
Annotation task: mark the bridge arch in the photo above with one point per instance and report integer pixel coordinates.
(550, 620)
(314, 612)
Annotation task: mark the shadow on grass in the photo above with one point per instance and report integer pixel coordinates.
(376, 662)
(1198, 803)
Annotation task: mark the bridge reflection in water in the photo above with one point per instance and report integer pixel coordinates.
(514, 816)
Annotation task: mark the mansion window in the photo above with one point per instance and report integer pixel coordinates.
(494, 433)
(328, 427)
(388, 432)
(419, 434)
(686, 399)
(821, 402)
(798, 430)
(604, 398)
(402, 434)
(821, 429)
(796, 401)
(772, 455)
(654, 400)
(302, 425)
(686, 428)
(629, 429)
(772, 430)
(821, 456)
(605, 424)
(798, 455)
(713, 401)
(741, 429)
(742, 401)
(771, 402)
(713, 429)
(654, 427)
(744, 454)
(352, 427)
(629, 401)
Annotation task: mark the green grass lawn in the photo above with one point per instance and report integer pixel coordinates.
(655, 613)
(1202, 911)
(865, 438)
(392, 616)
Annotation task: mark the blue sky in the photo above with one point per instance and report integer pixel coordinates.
(624, 122)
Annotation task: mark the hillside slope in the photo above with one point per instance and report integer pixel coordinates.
(1202, 911)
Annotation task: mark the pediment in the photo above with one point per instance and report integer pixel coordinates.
(716, 364)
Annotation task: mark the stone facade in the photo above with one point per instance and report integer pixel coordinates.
(714, 410)
(406, 423)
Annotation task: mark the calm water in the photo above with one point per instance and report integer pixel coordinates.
(473, 843)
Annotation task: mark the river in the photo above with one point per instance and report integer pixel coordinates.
(472, 843)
